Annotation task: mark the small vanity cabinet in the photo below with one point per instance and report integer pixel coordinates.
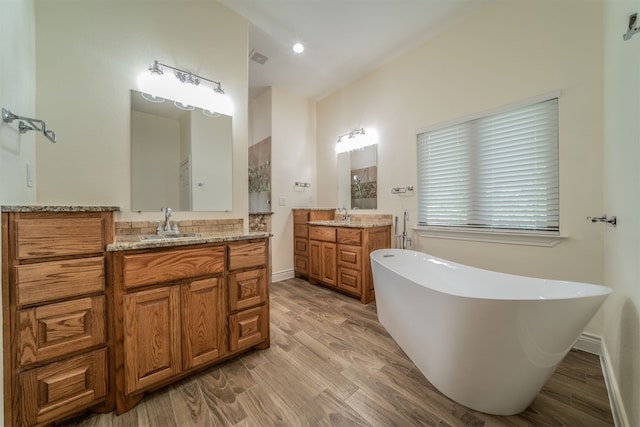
(301, 237)
(54, 278)
(179, 309)
(339, 257)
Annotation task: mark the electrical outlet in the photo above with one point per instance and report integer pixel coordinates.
(282, 201)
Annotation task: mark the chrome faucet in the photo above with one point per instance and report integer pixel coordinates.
(403, 239)
(347, 218)
(167, 214)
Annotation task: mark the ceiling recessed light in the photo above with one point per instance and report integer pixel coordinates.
(298, 48)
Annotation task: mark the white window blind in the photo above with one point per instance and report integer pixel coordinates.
(498, 172)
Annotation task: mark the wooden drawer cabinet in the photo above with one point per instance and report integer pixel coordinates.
(47, 393)
(53, 280)
(184, 309)
(350, 256)
(56, 336)
(58, 236)
(53, 330)
(301, 237)
(247, 289)
(149, 268)
(322, 233)
(345, 265)
(248, 328)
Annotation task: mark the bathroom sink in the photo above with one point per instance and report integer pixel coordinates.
(167, 236)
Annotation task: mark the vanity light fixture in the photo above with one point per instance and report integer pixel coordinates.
(356, 140)
(188, 90)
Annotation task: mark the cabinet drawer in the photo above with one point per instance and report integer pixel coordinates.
(325, 234)
(350, 256)
(165, 266)
(46, 237)
(63, 388)
(47, 281)
(301, 230)
(248, 328)
(350, 281)
(57, 329)
(301, 264)
(247, 289)
(300, 217)
(301, 246)
(350, 236)
(247, 255)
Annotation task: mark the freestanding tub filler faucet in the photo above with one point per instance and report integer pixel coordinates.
(403, 240)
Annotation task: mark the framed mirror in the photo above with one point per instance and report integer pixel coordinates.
(358, 179)
(180, 158)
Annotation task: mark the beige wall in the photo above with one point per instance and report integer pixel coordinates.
(621, 197)
(293, 146)
(507, 52)
(89, 55)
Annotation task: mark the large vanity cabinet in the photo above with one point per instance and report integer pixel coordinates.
(301, 249)
(54, 277)
(181, 308)
(339, 257)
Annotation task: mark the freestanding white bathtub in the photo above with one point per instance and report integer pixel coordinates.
(488, 340)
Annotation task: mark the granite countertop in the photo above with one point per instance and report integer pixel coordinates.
(45, 208)
(129, 243)
(352, 224)
(313, 209)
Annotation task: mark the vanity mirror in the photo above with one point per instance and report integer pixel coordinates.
(179, 158)
(358, 179)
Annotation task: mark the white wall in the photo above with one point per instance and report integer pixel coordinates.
(17, 93)
(89, 55)
(293, 154)
(507, 52)
(621, 155)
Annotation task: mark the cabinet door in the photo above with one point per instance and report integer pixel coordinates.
(315, 259)
(151, 337)
(202, 314)
(329, 270)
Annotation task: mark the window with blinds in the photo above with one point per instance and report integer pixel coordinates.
(493, 173)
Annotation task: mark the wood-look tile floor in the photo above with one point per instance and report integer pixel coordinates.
(332, 364)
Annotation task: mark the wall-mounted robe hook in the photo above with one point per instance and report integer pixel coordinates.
(632, 29)
(603, 218)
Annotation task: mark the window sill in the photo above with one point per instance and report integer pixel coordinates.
(528, 239)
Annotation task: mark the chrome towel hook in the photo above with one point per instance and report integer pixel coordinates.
(603, 218)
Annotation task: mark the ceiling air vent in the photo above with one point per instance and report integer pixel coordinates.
(257, 57)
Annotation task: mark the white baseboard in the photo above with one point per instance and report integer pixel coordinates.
(282, 275)
(589, 343)
(594, 344)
